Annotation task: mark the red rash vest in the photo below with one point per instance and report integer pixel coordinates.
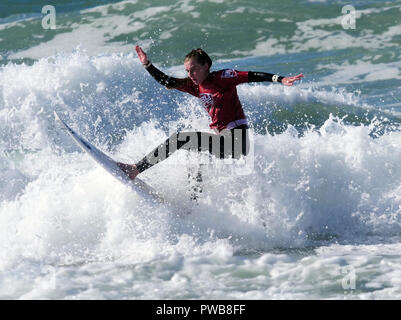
(219, 96)
(217, 92)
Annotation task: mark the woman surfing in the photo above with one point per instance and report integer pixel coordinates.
(217, 92)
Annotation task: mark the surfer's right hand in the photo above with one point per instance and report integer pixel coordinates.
(142, 55)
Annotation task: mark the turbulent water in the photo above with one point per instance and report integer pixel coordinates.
(314, 214)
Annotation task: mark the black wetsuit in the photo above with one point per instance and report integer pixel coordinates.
(221, 102)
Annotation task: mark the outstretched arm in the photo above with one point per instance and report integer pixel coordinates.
(263, 76)
(289, 81)
(163, 79)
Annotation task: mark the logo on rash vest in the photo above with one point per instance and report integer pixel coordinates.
(229, 73)
(207, 99)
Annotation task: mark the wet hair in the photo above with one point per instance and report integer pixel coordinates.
(200, 56)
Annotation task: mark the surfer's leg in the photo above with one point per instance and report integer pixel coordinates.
(229, 143)
(182, 140)
(232, 143)
(187, 140)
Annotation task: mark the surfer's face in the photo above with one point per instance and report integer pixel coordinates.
(196, 72)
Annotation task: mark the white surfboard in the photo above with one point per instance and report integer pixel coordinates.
(111, 166)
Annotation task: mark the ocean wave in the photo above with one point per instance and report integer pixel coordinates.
(301, 184)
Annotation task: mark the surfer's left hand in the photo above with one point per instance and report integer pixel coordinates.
(288, 81)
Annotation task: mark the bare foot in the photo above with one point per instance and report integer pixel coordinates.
(129, 169)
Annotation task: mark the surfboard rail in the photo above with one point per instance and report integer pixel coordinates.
(110, 165)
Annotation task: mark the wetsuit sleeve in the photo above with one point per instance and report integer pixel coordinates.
(171, 82)
(263, 76)
(163, 79)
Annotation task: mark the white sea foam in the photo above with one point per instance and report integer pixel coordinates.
(361, 71)
(68, 229)
(95, 33)
(317, 35)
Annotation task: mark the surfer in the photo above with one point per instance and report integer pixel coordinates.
(217, 92)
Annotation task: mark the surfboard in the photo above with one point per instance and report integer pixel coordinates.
(107, 163)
